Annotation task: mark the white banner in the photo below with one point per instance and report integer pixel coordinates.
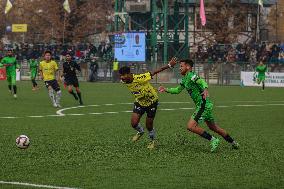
(273, 79)
(18, 75)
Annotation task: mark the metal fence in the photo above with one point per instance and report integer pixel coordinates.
(219, 73)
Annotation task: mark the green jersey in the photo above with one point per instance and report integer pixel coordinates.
(33, 64)
(261, 69)
(10, 63)
(194, 86)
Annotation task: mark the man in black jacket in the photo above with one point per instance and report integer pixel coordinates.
(70, 77)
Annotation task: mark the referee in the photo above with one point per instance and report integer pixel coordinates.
(70, 77)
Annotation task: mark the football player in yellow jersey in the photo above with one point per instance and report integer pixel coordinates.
(48, 70)
(146, 99)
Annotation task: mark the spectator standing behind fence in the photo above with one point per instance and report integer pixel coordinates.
(115, 66)
(33, 63)
(94, 69)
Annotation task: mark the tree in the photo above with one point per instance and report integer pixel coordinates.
(47, 21)
(226, 20)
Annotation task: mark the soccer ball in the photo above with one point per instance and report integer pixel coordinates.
(23, 142)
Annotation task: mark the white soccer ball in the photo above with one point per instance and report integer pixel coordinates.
(22, 141)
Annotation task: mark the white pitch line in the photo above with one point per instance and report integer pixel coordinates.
(35, 185)
(96, 113)
(248, 105)
(128, 111)
(248, 101)
(9, 117)
(186, 108)
(274, 104)
(55, 115)
(60, 112)
(35, 116)
(168, 109)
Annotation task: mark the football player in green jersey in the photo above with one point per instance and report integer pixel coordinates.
(34, 70)
(261, 69)
(198, 91)
(11, 65)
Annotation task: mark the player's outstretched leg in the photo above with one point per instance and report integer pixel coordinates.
(13, 82)
(79, 95)
(9, 84)
(192, 126)
(135, 119)
(58, 98)
(15, 91)
(51, 96)
(151, 130)
(263, 85)
(10, 88)
(34, 84)
(214, 127)
(70, 90)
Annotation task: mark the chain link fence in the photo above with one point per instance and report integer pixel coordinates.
(218, 73)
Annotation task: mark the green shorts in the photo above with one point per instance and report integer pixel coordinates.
(33, 74)
(260, 78)
(11, 78)
(203, 112)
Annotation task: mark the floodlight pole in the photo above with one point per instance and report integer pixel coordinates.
(116, 16)
(64, 22)
(165, 36)
(186, 22)
(154, 34)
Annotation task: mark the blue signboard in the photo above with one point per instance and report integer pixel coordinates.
(130, 46)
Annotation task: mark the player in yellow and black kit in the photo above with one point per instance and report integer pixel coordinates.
(146, 99)
(48, 70)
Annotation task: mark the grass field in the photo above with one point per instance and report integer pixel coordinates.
(90, 146)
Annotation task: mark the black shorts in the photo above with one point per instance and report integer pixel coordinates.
(150, 110)
(72, 81)
(53, 83)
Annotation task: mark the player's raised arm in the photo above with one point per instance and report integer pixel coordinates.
(171, 64)
(175, 90)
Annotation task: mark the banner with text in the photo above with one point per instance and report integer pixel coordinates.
(2, 74)
(19, 27)
(274, 79)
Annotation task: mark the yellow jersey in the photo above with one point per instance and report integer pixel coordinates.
(48, 69)
(142, 90)
(115, 66)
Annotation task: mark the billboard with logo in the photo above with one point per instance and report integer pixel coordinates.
(129, 46)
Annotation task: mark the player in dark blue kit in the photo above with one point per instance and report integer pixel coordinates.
(70, 77)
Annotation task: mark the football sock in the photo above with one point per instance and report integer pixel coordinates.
(72, 93)
(10, 87)
(34, 83)
(58, 97)
(79, 95)
(262, 86)
(207, 136)
(228, 138)
(15, 89)
(152, 134)
(139, 128)
(51, 96)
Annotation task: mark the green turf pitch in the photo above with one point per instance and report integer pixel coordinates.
(95, 151)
